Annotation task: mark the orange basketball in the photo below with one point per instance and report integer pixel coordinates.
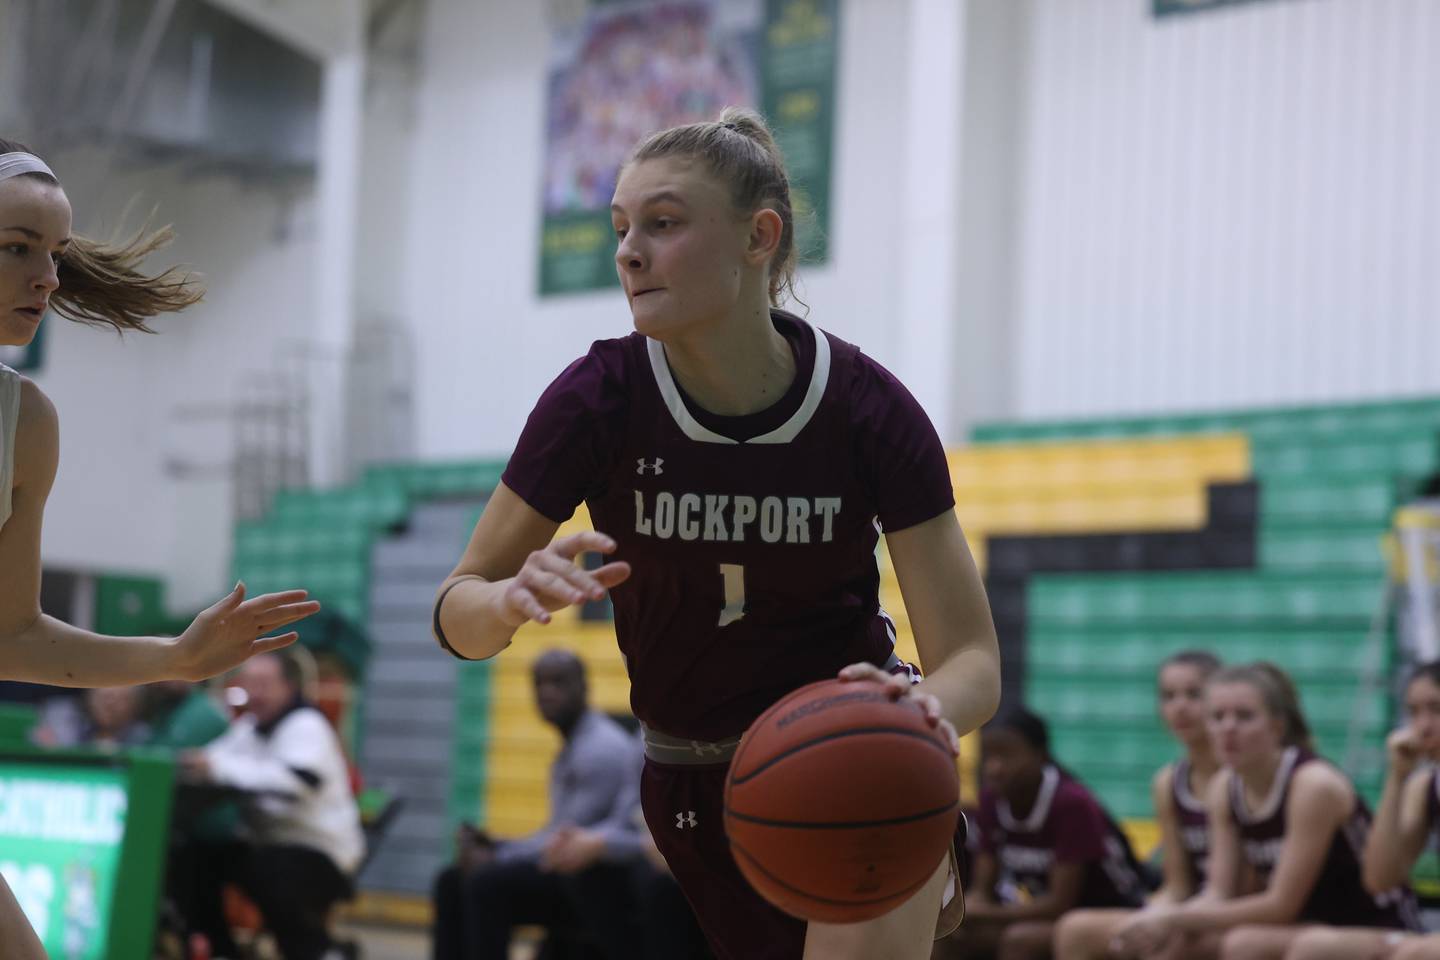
(840, 802)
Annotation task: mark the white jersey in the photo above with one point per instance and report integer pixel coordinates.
(9, 417)
(300, 767)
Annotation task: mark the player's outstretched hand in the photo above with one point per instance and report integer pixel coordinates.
(233, 630)
(551, 580)
(899, 686)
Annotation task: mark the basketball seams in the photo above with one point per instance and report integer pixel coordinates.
(924, 737)
(845, 825)
(746, 740)
(899, 896)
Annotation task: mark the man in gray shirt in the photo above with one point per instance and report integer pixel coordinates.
(574, 874)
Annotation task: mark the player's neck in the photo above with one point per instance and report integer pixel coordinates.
(736, 366)
(568, 724)
(1203, 766)
(1259, 779)
(1022, 798)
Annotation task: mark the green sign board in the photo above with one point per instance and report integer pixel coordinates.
(83, 836)
(61, 832)
(631, 67)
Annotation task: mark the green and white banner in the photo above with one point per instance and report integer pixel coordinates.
(630, 67)
(60, 834)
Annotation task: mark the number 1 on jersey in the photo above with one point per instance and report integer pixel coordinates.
(734, 576)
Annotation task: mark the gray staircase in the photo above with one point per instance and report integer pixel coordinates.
(409, 741)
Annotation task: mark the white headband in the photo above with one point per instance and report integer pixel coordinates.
(14, 164)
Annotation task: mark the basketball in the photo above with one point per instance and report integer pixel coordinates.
(841, 802)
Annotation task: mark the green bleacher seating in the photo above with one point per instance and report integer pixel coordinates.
(1135, 653)
(321, 539)
(1349, 454)
(1323, 550)
(1357, 500)
(1329, 479)
(1221, 598)
(1275, 423)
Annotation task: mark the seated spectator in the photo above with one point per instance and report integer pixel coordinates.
(667, 926)
(473, 849)
(114, 714)
(1177, 791)
(304, 840)
(1286, 833)
(1405, 822)
(107, 718)
(1045, 846)
(572, 875)
(182, 715)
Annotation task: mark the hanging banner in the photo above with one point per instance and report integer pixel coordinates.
(631, 67)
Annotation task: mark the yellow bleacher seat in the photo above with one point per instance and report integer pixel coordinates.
(1013, 467)
(1144, 836)
(1085, 507)
(517, 764)
(1091, 487)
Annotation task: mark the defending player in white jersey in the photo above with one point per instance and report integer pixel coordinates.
(44, 267)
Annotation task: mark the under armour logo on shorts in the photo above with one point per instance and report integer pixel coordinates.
(685, 819)
(702, 748)
(655, 468)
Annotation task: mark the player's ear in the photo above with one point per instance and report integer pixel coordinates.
(766, 228)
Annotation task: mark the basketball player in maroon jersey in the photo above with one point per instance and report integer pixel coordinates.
(1284, 816)
(1178, 791)
(1046, 847)
(1407, 817)
(739, 465)
(43, 266)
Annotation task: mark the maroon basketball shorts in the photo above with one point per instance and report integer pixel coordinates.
(684, 807)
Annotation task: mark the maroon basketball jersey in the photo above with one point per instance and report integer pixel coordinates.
(1339, 898)
(1193, 821)
(1432, 804)
(751, 539)
(1066, 825)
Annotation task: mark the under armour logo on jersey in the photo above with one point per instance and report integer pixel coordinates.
(686, 818)
(655, 468)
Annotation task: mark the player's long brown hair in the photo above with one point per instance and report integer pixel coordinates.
(741, 151)
(1278, 692)
(101, 283)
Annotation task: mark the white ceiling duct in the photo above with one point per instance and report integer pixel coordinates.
(171, 77)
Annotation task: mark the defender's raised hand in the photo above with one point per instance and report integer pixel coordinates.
(233, 630)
